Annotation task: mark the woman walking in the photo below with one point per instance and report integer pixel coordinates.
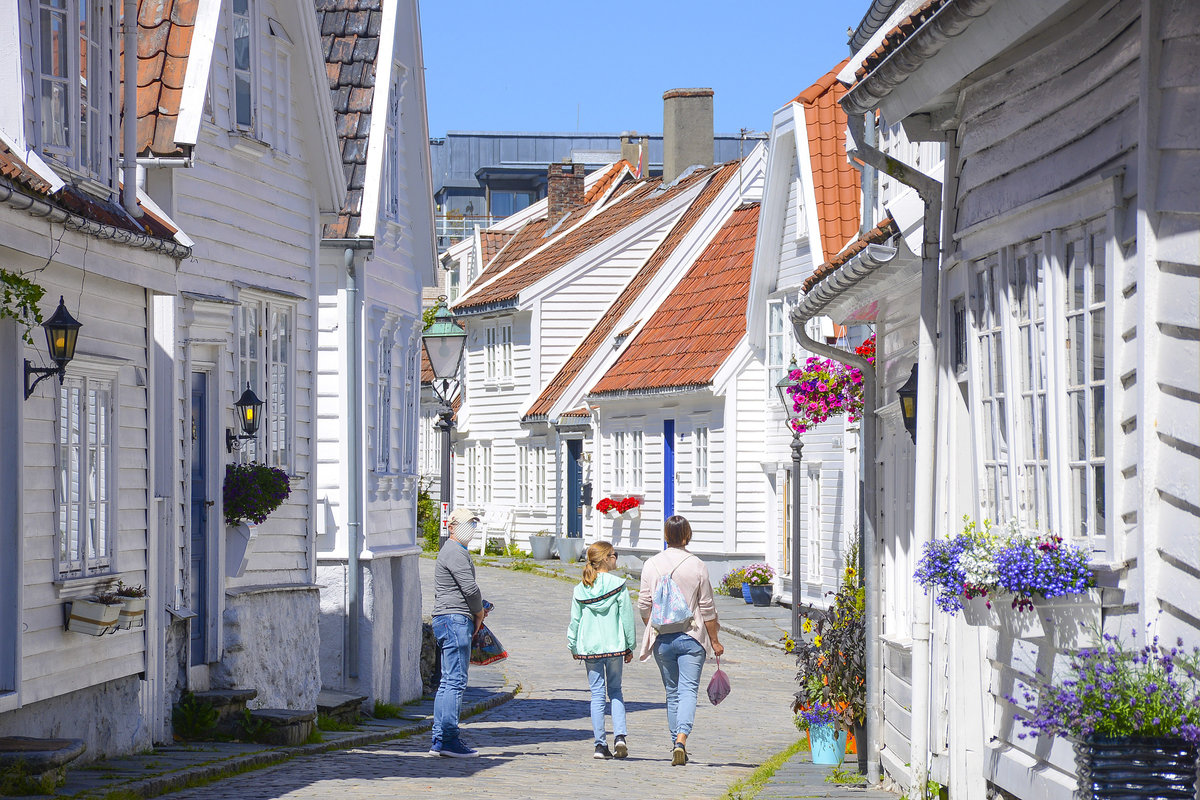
(680, 655)
(601, 636)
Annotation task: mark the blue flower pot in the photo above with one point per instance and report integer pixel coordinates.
(760, 595)
(746, 593)
(827, 746)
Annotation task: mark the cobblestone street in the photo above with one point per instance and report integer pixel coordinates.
(539, 745)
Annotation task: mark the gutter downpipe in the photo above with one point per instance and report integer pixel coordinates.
(930, 192)
(129, 158)
(871, 575)
(354, 460)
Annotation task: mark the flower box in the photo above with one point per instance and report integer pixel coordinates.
(132, 613)
(633, 513)
(1024, 623)
(92, 617)
(612, 513)
(980, 612)
(1072, 621)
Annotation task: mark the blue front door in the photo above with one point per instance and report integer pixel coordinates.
(574, 487)
(199, 519)
(668, 470)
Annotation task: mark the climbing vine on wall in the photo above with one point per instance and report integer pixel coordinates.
(19, 299)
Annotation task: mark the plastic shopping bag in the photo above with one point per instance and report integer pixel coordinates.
(486, 648)
(718, 685)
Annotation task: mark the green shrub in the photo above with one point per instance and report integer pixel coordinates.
(252, 729)
(428, 520)
(387, 710)
(194, 718)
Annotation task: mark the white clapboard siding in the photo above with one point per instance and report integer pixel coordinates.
(795, 258)
(751, 400)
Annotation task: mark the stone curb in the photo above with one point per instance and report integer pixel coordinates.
(750, 636)
(161, 784)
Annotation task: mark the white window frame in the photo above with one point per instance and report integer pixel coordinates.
(391, 151)
(814, 544)
(472, 476)
(270, 369)
(777, 361)
(700, 452)
(504, 337)
(539, 475)
(637, 459)
(66, 140)
(486, 474)
(73, 560)
(250, 72)
(490, 354)
(524, 492)
(620, 479)
(411, 392)
(383, 404)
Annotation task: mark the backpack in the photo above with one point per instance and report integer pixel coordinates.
(670, 612)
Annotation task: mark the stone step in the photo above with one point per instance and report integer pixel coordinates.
(40, 759)
(230, 704)
(341, 706)
(288, 726)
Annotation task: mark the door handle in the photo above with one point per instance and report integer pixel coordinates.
(209, 503)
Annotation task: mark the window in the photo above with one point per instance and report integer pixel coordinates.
(85, 490)
(523, 472)
(391, 155)
(507, 202)
(531, 475)
(383, 403)
(814, 523)
(412, 404)
(539, 476)
(486, 487)
(620, 480)
(76, 84)
(452, 283)
(636, 457)
(700, 460)
(242, 59)
(506, 353)
(472, 476)
(801, 214)
(431, 445)
(777, 349)
(489, 335)
(265, 362)
(1047, 288)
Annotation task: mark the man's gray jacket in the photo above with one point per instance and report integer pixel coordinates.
(454, 587)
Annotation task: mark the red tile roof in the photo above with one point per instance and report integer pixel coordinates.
(490, 243)
(601, 332)
(350, 38)
(165, 30)
(896, 37)
(836, 183)
(613, 173)
(877, 235)
(699, 323)
(634, 204)
(15, 169)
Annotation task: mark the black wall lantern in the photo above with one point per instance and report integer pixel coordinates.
(62, 331)
(249, 409)
(908, 403)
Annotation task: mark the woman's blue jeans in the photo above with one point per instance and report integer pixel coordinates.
(453, 632)
(604, 676)
(680, 659)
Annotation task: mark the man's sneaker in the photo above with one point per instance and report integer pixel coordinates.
(457, 750)
(678, 755)
(602, 752)
(435, 750)
(620, 749)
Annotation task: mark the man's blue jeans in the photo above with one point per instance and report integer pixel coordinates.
(604, 676)
(453, 632)
(680, 659)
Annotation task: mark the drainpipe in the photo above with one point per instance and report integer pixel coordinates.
(930, 192)
(872, 574)
(354, 460)
(166, 162)
(129, 160)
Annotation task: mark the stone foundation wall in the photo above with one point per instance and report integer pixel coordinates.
(108, 718)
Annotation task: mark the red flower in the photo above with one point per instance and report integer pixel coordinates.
(605, 505)
(627, 504)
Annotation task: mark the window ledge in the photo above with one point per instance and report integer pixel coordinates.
(247, 142)
(72, 588)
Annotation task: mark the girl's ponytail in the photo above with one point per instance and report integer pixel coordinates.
(597, 554)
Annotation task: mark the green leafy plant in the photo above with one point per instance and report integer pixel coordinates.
(731, 584)
(328, 723)
(493, 548)
(111, 598)
(387, 710)
(17, 780)
(512, 550)
(253, 491)
(124, 590)
(428, 520)
(19, 299)
(845, 776)
(253, 729)
(194, 718)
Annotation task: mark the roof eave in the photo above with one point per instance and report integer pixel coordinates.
(857, 285)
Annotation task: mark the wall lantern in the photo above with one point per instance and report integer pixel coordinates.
(908, 403)
(789, 403)
(62, 331)
(249, 409)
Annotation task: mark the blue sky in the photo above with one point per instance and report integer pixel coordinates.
(566, 65)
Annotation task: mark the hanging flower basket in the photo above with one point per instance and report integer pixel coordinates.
(251, 492)
(94, 616)
(824, 388)
(133, 606)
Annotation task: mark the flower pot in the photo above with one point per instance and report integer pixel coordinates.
(1024, 624)
(1135, 767)
(746, 593)
(1073, 621)
(826, 745)
(634, 512)
(977, 613)
(132, 613)
(612, 513)
(540, 547)
(570, 548)
(760, 595)
(92, 618)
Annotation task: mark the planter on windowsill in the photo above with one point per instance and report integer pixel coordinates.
(1019, 624)
(92, 617)
(633, 513)
(612, 513)
(1072, 621)
(132, 613)
(981, 612)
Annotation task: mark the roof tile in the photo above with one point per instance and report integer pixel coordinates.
(699, 323)
(897, 36)
(879, 234)
(165, 29)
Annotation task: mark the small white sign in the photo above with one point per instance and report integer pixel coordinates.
(445, 516)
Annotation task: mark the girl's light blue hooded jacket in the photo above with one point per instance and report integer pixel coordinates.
(601, 619)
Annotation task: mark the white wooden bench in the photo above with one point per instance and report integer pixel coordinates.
(495, 523)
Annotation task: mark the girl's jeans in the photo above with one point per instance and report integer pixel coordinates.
(680, 659)
(453, 632)
(604, 674)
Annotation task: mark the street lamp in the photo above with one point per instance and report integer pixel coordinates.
(444, 341)
(908, 403)
(248, 408)
(793, 416)
(62, 331)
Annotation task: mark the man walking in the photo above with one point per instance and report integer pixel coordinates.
(457, 614)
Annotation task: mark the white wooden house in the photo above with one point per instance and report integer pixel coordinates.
(375, 259)
(1062, 392)
(810, 211)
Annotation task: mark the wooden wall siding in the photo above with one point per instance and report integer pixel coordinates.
(795, 257)
(51, 657)
(331, 402)
(1176, 431)
(752, 488)
(897, 702)
(1052, 118)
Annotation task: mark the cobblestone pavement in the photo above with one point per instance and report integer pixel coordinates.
(539, 745)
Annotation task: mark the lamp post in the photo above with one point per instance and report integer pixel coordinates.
(444, 341)
(793, 416)
(62, 331)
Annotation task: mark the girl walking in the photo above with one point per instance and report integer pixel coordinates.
(601, 636)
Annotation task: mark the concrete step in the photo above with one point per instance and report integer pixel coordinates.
(341, 706)
(288, 726)
(230, 704)
(43, 761)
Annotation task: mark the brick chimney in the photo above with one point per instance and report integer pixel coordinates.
(687, 130)
(564, 189)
